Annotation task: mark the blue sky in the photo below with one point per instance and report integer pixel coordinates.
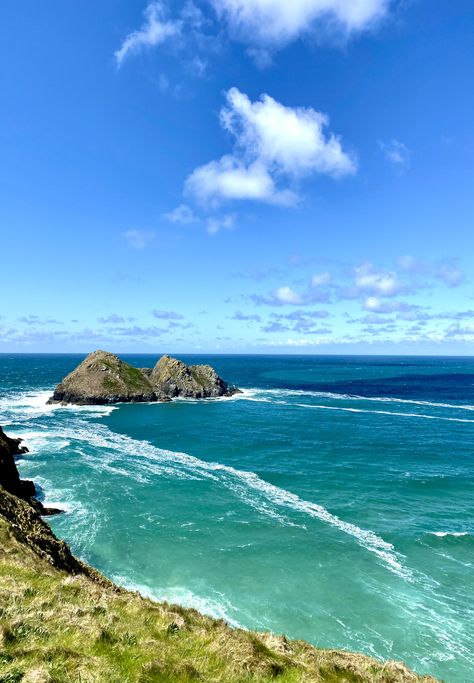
(249, 176)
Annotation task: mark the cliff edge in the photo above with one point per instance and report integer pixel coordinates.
(10, 481)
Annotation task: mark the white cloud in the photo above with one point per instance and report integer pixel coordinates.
(155, 30)
(292, 139)
(397, 154)
(181, 214)
(223, 223)
(375, 283)
(406, 311)
(272, 142)
(372, 303)
(230, 178)
(286, 295)
(264, 25)
(277, 22)
(138, 239)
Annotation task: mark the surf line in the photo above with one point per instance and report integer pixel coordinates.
(264, 395)
(240, 482)
(382, 412)
(265, 497)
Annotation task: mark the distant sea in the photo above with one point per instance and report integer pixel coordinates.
(332, 501)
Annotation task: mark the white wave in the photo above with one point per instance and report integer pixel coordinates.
(25, 406)
(264, 497)
(383, 412)
(91, 410)
(29, 405)
(257, 394)
(442, 534)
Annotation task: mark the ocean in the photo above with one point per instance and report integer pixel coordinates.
(332, 500)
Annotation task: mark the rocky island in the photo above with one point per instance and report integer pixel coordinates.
(103, 378)
(61, 621)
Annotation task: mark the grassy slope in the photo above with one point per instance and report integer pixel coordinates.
(59, 628)
(131, 377)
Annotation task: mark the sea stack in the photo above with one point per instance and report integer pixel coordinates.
(103, 379)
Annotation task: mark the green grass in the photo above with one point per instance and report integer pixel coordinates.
(59, 628)
(133, 379)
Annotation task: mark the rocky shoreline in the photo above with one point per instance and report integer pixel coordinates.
(104, 379)
(10, 480)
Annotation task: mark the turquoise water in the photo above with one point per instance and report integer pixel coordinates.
(332, 500)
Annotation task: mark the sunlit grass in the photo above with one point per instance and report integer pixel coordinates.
(59, 628)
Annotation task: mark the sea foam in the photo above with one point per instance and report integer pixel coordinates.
(266, 395)
(267, 499)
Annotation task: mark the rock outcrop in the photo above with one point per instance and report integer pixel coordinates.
(102, 378)
(10, 477)
(28, 527)
(172, 378)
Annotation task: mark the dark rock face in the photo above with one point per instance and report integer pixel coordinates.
(28, 527)
(174, 378)
(102, 378)
(10, 477)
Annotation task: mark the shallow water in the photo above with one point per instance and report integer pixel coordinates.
(332, 500)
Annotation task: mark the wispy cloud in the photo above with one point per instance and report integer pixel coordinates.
(446, 270)
(449, 272)
(167, 315)
(465, 332)
(155, 30)
(397, 154)
(114, 319)
(297, 321)
(264, 26)
(319, 279)
(38, 320)
(238, 315)
(216, 223)
(139, 239)
(138, 332)
(181, 214)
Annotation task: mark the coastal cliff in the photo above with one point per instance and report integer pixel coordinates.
(61, 621)
(103, 378)
(10, 478)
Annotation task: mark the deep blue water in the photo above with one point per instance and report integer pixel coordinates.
(332, 500)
